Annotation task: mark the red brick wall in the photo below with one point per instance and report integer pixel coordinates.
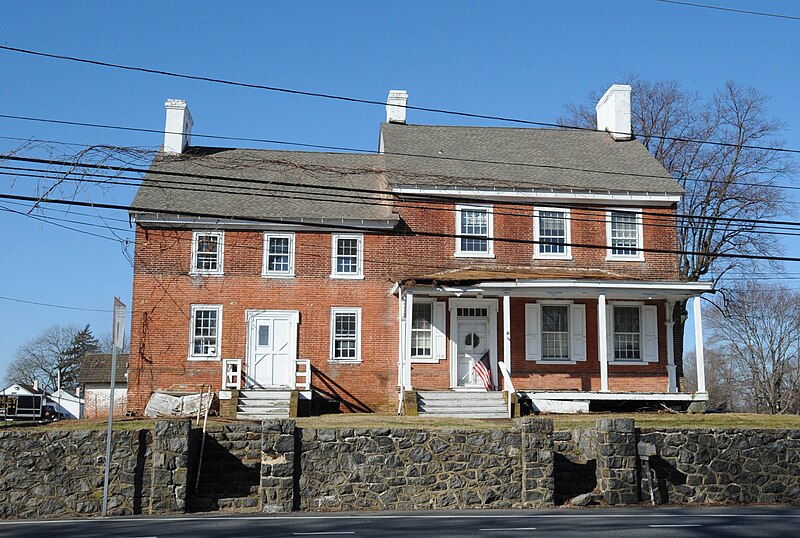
(163, 292)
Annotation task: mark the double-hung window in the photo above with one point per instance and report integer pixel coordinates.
(345, 334)
(632, 333)
(551, 233)
(205, 332)
(422, 331)
(278, 255)
(474, 230)
(347, 256)
(207, 253)
(624, 235)
(555, 332)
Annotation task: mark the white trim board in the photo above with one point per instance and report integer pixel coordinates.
(534, 194)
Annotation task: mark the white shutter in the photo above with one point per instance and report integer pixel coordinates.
(610, 332)
(650, 333)
(439, 341)
(577, 332)
(533, 327)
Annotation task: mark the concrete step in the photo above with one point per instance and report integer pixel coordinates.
(265, 394)
(259, 404)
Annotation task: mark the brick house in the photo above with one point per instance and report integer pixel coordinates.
(361, 278)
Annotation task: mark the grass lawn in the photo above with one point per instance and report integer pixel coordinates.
(561, 422)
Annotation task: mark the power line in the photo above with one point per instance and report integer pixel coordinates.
(395, 233)
(364, 101)
(350, 191)
(393, 153)
(65, 307)
(734, 10)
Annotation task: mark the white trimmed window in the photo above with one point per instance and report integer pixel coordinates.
(555, 332)
(278, 255)
(207, 253)
(427, 331)
(474, 231)
(632, 333)
(205, 332)
(347, 256)
(551, 231)
(624, 235)
(345, 334)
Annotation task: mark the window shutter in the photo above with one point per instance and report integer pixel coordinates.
(610, 332)
(650, 333)
(577, 332)
(438, 327)
(533, 327)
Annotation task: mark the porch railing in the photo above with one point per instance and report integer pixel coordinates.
(302, 371)
(508, 387)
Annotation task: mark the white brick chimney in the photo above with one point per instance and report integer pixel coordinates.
(396, 106)
(614, 112)
(178, 128)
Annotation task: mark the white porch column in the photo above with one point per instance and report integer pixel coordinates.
(672, 370)
(407, 337)
(602, 341)
(507, 330)
(698, 347)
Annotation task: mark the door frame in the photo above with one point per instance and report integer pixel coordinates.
(491, 306)
(250, 318)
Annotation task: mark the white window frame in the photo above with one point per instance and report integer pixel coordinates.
(359, 274)
(220, 235)
(218, 348)
(638, 256)
(278, 274)
(576, 335)
(567, 254)
(645, 357)
(489, 231)
(345, 310)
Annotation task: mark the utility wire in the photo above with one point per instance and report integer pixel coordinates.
(359, 100)
(352, 191)
(734, 10)
(65, 307)
(383, 231)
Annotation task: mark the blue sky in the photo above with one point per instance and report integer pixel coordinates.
(517, 59)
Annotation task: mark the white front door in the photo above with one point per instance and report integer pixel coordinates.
(472, 344)
(272, 349)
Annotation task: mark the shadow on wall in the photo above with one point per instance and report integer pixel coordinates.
(665, 473)
(335, 393)
(223, 476)
(145, 438)
(571, 478)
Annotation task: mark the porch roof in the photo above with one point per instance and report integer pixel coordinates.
(569, 288)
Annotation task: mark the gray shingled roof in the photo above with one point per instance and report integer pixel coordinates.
(519, 158)
(96, 368)
(564, 159)
(261, 200)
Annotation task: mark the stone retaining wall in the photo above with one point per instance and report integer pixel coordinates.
(60, 473)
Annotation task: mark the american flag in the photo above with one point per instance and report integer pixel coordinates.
(484, 370)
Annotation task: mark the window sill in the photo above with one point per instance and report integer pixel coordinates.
(340, 361)
(610, 258)
(474, 254)
(277, 275)
(205, 273)
(554, 362)
(203, 359)
(347, 277)
(632, 362)
(425, 361)
(552, 257)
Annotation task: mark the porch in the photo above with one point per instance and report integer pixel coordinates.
(549, 341)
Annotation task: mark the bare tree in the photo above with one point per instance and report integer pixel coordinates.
(758, 334)
(722, 182)
(58, 349)
(725, 380)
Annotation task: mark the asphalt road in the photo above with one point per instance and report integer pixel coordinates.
(655, 522)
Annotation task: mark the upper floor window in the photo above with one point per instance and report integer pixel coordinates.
(347, 256)
(624, 235)
(551, 231)
(555, 332)
(346, 334)
(207, 253)
(205, 332)
(278, 255)
(474, 230)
